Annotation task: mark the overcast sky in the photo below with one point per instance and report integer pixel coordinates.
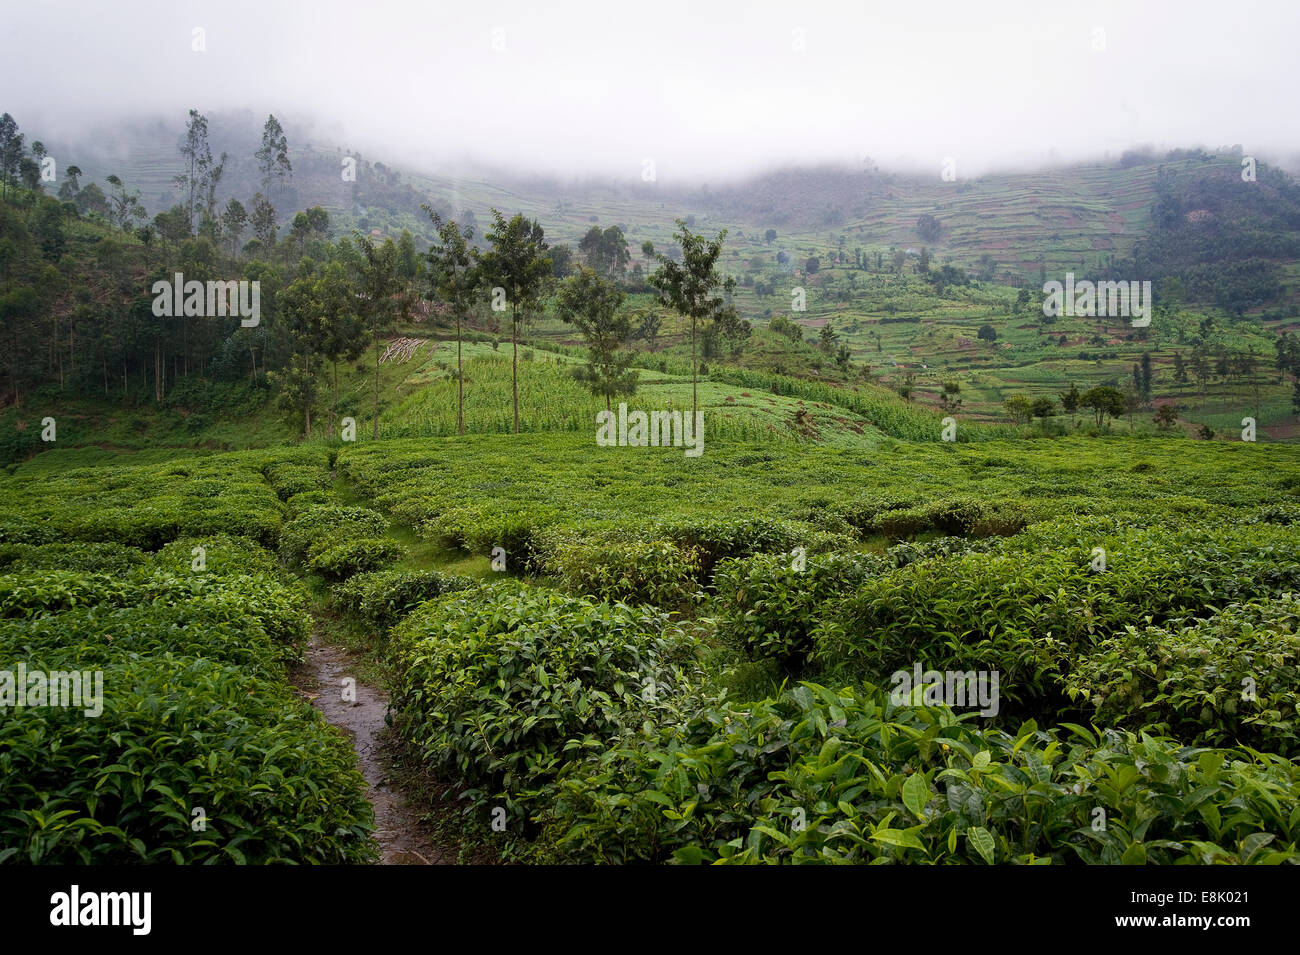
(704, 89)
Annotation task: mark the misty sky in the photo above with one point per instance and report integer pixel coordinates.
(704, 89)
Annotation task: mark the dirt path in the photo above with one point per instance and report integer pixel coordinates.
(402, 839)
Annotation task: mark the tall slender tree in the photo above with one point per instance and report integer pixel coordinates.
(197, 154)
(233, 222)
(377, 283)
(695, 290)
(11, 150)
(69, 188)
(211, 181)
(345, 332)
(273, 154)
(454, 279)
(126, 207)
(517, 265)
(302, 311)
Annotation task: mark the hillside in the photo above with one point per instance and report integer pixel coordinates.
(419, 476)
(1076, 217)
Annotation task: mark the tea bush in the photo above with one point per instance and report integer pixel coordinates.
(910, 552)
(656, 572)
(974, 517)
(771, 605)
(278, 607)
(499, 688)
(291, 479)
(339, 556)
(1029, 611)
(480, 526)
(52, 591)
(315, 526)
(223, 555)
(382, 598)
(26, 528)
(91, 637)
(820, 776)
(1233, 677)
(275, 782)
(715, 539)
(308, 499)
(143, 506)
(99, 557)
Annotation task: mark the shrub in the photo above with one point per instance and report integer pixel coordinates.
(223, 555)
(314, 524)
(1029, 607)
(1277, 514)
(382, 598)
(611, 568)
(276, 782)
(478, 528)
(909, 552)
(715, 538)
(500, 688)
(26, 529)
(308, 499)
(92, 637)
(339, 555)
(1233, 677)
(97, 557)
(277, 606)
(772, 608)
(53, 591)
(970, 517)
(290, 479)
(818, 776)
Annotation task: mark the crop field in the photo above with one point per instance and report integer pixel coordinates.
(550, 400)
(523, 437)
(198, 750)
(625, 654)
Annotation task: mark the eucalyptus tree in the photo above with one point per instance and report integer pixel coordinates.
(695, 290)
(516, 269)
(377, 282)
(273, 154)
(197, 154)
(11, 150)
(454, 279)
(345, 332)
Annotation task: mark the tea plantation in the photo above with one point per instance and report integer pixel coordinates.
(628, 655)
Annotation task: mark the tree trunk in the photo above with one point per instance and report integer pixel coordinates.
(460, 383)
(514, 365)
(376, 435)
(334, 403)
(695, 377)
(307, 408)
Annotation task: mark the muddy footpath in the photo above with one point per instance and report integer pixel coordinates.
(358, 710)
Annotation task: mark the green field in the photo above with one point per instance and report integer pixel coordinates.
(905, 601)
(678, 656)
